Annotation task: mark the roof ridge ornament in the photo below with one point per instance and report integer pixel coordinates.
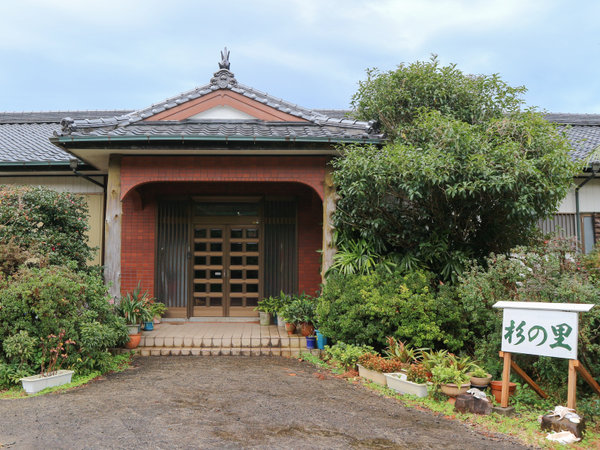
(224, 64)
(223, 78)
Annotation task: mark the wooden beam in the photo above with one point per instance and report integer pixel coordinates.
(527, 379)
(112, 229)
(329, 204)
(572, 385)
(505, 378)
(587, 376)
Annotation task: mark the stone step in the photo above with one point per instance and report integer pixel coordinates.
(223, 351)
(223, 342)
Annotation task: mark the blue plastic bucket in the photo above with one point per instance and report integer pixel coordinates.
(321, 341)
(310, 342)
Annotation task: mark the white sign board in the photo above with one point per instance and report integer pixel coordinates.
(540, 332)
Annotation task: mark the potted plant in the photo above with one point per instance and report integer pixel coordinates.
(307, 314)
(133, 308)
(54, 352)
(480, 379)
(413, 382)
(398, 350)
(451, 380)
(265, 308)
(158, 310)
(280, 301)
(372, 367)
(292, 314)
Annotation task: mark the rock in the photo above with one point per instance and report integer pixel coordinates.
(468, 403)
(554, 423)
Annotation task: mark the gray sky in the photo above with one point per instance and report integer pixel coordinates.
(128, 54)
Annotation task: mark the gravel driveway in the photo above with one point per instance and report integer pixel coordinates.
(227, 402)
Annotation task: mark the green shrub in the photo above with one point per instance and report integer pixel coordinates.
(40, 302)
(347, 355)
(365, 309)
(46, 223)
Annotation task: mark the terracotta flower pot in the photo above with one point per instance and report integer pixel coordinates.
(134, 341)
(496, 387)
(307, 329)
(290, 328)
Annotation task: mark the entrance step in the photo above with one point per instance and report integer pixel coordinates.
(205, 339)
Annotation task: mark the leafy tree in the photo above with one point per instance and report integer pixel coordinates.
(43, 223)
(465, 172)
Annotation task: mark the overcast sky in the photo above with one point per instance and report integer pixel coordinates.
(128, 54)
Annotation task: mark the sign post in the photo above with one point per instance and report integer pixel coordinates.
(544, 329)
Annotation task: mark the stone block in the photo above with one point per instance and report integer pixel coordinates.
(554, 423)
(185, 351)
(188, 341)
(197, 341)
(236, 351)
(206, 352)
(225, 351)
(467, 403)
(285, 352)
(148, 341)
(145, 352)
(176, 351)
(508, 411)
(168, 342)
(246, 342)
(236, 342)
(217, 342)
(165, 351)
(196, 351)
(178, 341)
(155, 352)
(245, 351)
(207, 342)
(159, 341)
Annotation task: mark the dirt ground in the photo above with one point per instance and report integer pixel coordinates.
(227, 402)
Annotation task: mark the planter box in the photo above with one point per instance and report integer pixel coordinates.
(37, 383)
(371, 375)
(398, 382)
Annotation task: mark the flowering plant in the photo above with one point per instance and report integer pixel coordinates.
(54, 350)
(417, 373)
(378, 363)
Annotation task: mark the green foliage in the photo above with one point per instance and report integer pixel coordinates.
(357, 256)
(268, 305)
(466, 173)
(46, 223)
(398, 96)
(40, 302)
(397, 349)
(137, 306)
(552, 272)
(347, 355)
(366, 309)
(446, 375)
(299, 308)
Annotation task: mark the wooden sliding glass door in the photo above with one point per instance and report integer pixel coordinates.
(226, 267)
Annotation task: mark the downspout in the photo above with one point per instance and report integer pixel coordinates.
(595, 165)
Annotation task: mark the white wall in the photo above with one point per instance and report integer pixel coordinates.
(589, 198)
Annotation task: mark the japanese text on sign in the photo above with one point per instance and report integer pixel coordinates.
(540, 332)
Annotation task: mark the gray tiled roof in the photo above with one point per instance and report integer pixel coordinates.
(319, 125)
(231, 128)
(582, 131)
(24, 136)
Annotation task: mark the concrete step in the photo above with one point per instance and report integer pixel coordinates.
(223, 351)
(223, 342)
